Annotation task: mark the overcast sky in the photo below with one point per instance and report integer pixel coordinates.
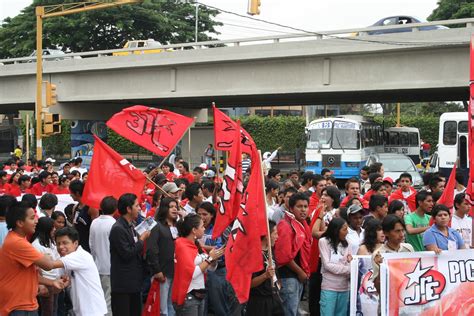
(310, 15)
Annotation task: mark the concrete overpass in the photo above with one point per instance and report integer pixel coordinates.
(318, 68)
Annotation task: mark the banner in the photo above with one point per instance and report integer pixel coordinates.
(364, 296)
(426, 284)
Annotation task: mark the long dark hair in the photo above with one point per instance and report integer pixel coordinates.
(164, 209)
(332, 233)
(186, 225)
(370, 234)
(43, 232)
(208, 207)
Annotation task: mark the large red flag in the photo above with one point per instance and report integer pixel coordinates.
(154, 129)
(232, 187)
(110, 174)
(224, 136)
(244, 251)
(470, 190)
(447, 198)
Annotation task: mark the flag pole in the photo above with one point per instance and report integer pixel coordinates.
(270, 256)
(163, 191)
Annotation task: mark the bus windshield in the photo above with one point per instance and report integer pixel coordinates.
(336, 135)
(346, 135)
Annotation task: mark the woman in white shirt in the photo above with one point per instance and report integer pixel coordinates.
(191, 264)
(43, 241)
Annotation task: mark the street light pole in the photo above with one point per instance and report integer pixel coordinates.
(39, 79)
(196, 25)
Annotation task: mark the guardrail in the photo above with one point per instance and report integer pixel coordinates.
(362, 32)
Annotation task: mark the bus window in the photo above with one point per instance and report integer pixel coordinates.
(449, 133)
(413, 139)
(462, 127)
(463, 152)
(404, 139)
(386, 138)
(393, 139)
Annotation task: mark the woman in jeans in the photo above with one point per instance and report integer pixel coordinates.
(191, 263)
(335, 269)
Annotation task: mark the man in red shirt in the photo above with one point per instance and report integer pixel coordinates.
(292, 252)
(319, 183)
(44, 186)
(4, 185)
(183, 168)
(353, 191)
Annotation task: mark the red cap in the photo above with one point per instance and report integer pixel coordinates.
(388, 179)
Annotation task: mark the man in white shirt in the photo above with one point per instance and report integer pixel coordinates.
(100, 245)
(78, 166)
(461, 221)
(355, 236)
(195, 197)
(86, 292)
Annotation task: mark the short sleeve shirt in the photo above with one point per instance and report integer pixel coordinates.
(433, 236)
(18, 274)
(416, 221)
(86, 291)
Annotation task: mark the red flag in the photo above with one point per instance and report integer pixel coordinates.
(447, 198)
(243, 251)
(154, 129)
(110, 174)
(232, 187)
(152, 304)
(224, 136)
(469, 190)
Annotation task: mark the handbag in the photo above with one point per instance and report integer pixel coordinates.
(152, 305)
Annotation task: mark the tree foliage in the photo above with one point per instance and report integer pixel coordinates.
(452, 9)
(166, 21)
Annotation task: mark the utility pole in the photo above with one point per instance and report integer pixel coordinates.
(43, 12)
(196, 25)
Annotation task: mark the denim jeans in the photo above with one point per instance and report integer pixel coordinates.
(166, 305)
(191, 307)
(23, 313)
(221, 298)
(291, 290)
(334, 303)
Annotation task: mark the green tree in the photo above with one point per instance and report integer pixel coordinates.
(452, 9)
(167, 21)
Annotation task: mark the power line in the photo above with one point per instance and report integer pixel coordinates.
(358, 39)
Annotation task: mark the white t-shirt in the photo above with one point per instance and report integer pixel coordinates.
(86, 291)
(99, 242)
(354, 239)
(464, 227)
(197, 282)
(81, 170)
(53, 253)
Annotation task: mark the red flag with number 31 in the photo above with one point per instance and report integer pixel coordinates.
(154, 129)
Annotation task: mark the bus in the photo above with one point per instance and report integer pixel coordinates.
(403, 140)
(341, 144)
(452, 144)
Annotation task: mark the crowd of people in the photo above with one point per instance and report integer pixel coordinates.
(85, 261)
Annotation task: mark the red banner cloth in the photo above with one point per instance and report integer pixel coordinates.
(244, 251)
(184, 255)
(224, 128)
(110, 174)
(154, 129)
(232, 187)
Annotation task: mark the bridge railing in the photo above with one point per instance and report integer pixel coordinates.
(321, 35)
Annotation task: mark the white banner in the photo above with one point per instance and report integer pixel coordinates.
(364, 296)
(426, 284)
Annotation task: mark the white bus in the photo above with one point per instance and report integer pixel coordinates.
(452, 143)
(341, 144)
(403, 140)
